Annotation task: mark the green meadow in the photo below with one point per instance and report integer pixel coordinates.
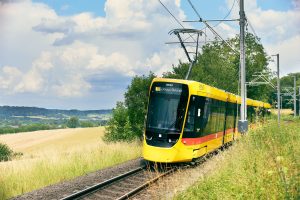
(264, 164)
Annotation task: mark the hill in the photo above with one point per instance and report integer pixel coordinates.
(12, 111)
(16, 117)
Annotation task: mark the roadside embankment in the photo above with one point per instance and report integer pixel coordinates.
(265, 164)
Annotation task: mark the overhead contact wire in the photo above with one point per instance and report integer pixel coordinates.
(210, 28)
(174, 18)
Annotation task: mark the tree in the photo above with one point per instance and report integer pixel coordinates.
(73, 122)
(5, 152)
(136, 100)
(119, 127)
(127, 122)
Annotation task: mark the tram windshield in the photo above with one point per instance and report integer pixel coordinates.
(167, 106)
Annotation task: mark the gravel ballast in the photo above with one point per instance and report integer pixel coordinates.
(66, 188)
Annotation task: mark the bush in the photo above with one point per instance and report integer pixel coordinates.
(73, 122)
(26, 128)
(119, 128)
(5, 152)
(86, 124)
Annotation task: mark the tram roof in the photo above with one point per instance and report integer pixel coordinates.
(201, 89)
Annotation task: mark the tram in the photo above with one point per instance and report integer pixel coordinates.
(188, 119)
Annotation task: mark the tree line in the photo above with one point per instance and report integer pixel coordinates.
(72, 122)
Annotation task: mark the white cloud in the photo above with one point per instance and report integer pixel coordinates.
(10, 75)
(30, 82)
(288, 50)
(65, 56)
(74, 86)
(43, 62)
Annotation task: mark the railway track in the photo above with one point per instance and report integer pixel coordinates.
(122, 186)
(132, 182)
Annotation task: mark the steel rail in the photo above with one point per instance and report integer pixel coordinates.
(143, 186)
(98, 186)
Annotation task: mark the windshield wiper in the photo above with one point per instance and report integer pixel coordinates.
(176, 120)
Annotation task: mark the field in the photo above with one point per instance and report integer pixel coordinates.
(56, 155)
(265, 164)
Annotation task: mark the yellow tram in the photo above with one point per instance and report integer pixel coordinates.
(188, 119)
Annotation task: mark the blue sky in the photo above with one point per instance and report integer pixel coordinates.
(83, 54)
(207, 8)
(73, 7)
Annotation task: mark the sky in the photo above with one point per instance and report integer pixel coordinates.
(78, 54)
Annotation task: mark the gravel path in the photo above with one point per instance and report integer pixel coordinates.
(66, 188)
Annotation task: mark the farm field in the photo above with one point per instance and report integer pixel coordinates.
(56, 155)
(61, 140)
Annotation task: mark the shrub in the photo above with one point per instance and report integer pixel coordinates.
(73, 122)
(119, 127)
(5, 152)
(26, 128)
(86, 124)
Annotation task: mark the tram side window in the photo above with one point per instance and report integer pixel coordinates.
(230, 115)
(213, 116)
(199, 114)
(190, 121)
(221, 118)
(235, 113)
(238, 114)
(207, 117)
(193, 124)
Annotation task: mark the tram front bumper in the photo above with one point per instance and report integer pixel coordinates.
(177, 153)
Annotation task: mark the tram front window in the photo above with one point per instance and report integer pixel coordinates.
(167, 107)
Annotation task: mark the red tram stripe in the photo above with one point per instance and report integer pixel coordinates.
(230, 130)
(194, 141)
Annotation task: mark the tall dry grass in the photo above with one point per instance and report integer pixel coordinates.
(45, 166)
(265, 164)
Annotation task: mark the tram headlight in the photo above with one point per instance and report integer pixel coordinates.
(148, 138)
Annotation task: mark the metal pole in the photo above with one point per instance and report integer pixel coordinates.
(280, 102)
(189, 70)
(246, 98)
(295, 97)
(243, 123)
(278, 90)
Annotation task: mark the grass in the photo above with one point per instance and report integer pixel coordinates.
(58, 156)
(265, 164)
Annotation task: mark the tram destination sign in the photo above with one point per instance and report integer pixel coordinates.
(169, 88)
